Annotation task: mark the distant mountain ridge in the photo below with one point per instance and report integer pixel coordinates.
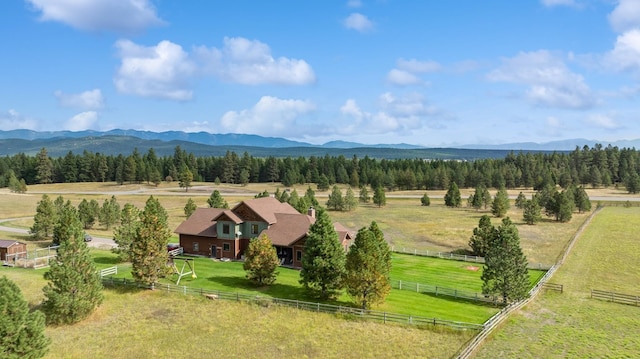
(255, 141)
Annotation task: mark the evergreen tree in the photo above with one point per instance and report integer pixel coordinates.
(124, 234)
(505, 271)
(44, 219)
(149, 247)
(482, 236)
(216, 200)
(500, 204)
(109, 212)
(22, 331)
(74, 289)
(379, 197)
(476, 198)
(581, 199)
(531, 212)
(323, 262)
(88, 212)
(425, 200)
(261, 261)
(564, 206)
(350, 201)
(521, 200)
(44, 167)
(189, 208)
(335, 201)
(262, 194)
(452, 197)
(310, 198)
(364, 194)
(368, 266)
(323, 183)
(185, 178)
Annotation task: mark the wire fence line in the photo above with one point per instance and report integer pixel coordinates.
(458, 257)
(439, 290)
(349, 312)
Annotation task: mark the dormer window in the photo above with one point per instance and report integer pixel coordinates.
(226, 228)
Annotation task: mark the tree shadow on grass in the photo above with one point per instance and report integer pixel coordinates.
(107, 260)
(480, 303)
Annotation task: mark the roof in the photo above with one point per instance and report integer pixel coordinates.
(201, 222)
(288, 228)
(268, 207)
(229, 214)
(6, 243)
(343, 232)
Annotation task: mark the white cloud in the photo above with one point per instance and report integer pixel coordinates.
(551, 3)
(626, 52)
(403, 78)
(603, 121)
(82, 121)
(12, 120)
(122, 16)
(416, 66)
(354, 3)
(271, 116)
(87, 100)
(161, 71)
(402, 115)
(551, 83)
(625, 16)
(250, 62)
(358, 22)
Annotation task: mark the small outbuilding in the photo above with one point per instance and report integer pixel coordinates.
(8, 246)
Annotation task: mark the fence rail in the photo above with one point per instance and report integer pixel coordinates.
(553, 286)
(437, 290)
(37, 258)
(615, 297)
(458, 257)
(383, 317)
(109, 271)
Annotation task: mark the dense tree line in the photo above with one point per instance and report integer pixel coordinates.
(594, 167)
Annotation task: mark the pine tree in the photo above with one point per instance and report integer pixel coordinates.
(482, 236)
(44, 167)
(350, 201)
(521, 200)
(310, 198)
(261, 261)
(505, 271)
(22, 331)
(149, 247)
(216, 200)
(44, 219)
(323, 262)
(185, 178)
(335, 201)
(88, 212)
(190, 207)
(124, 234)
(500, 204)
(581, 199)
(379, 197)
(109, 212)
(364, 194)
(368, 266)
(74, 289)
(531, 212)
(425, 200)
(452, 197)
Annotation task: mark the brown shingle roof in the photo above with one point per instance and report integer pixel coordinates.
(343, 232)
(6, 243)
(229, 214)
(201, 223)
(288, 228)
(267, 207)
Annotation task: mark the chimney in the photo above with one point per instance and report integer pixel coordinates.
(311, 212)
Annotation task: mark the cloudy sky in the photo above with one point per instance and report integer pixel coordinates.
(431, 73)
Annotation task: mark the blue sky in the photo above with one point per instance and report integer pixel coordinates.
(431, 73)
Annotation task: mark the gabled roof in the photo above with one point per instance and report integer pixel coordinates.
(288, 228)
(344, 233)
(6, 243)
(268, 207)
(201, 222)
(229, 214)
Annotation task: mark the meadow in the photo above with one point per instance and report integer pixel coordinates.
(571, 324)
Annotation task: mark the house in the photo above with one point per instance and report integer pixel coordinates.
(11, 247)
(225, 233)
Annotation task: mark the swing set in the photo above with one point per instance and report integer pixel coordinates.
(188, 267)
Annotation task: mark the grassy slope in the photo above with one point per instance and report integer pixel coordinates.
(571, 324)
(155, 324)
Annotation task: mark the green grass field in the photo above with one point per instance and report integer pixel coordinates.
(571, 324)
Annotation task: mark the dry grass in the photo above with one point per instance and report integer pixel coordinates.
(152, 324)
(572, 325)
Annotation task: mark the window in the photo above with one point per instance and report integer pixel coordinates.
(298, 255)
(254, 229)
(226, 228)
(225, 247)
(196, 247)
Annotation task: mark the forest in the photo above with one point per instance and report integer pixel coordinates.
(595, 167)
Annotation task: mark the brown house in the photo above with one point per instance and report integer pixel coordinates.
(225, 233)
(11, 247)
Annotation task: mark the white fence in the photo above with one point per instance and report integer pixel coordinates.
(37, 258)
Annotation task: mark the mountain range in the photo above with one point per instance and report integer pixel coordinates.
(117, 141)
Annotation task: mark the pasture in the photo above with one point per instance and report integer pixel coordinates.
(571, 324)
